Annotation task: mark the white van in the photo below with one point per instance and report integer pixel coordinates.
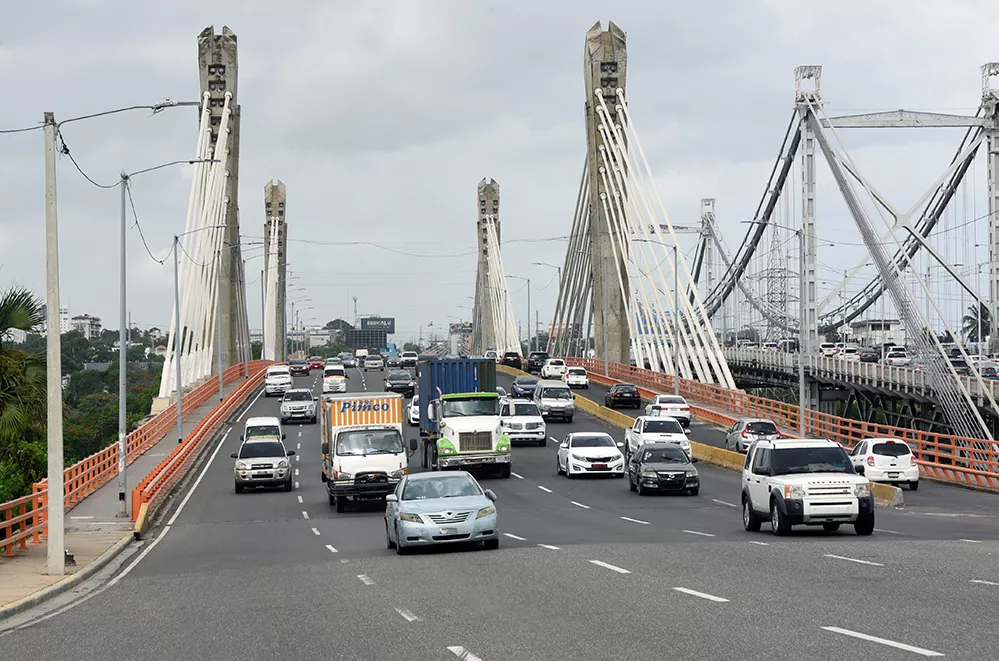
(555, 400)
(334, 379)
(263, 428)
(277, 380)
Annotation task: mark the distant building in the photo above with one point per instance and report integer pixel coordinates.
(155, 334)
(160, 350)
(871, 332)
(65, 324)
(88, 326)
(15, 336)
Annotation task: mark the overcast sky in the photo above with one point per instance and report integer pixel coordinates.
(381, 118)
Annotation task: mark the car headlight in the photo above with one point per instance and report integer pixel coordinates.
(241, 466)
(861, 490)
(578, 458)
(794, 491)
(649, 474)
(485, 511)
(342, 476)
(412, 518)
(283, 463)
(503, 448)
(691, 472)
(447, 451)
(399, 473)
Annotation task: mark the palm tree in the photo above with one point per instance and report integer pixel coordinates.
(977, 314)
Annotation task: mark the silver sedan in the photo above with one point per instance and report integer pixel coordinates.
(747, 431)
(444, 507)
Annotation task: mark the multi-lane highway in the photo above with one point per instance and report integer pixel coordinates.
(586, 570)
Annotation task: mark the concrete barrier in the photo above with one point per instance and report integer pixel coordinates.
(141, 521)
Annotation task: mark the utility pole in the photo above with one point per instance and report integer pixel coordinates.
(177, 339)
(55, 548)
(529, 343)
(355, 312)
(263, 316)
(122, 366)
(803, 346)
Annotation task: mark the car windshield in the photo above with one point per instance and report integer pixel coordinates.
(663, 426)
(526, 381)
(790, 461)
(461, 408)
(539, 356)
(399, 376)
(511, 354)
(334, 372)
(526, 409)
(628, 390)
(891, 449)
(259, 449)
(556, 363)
(375, 358)
(671, 400)
(263, 431)
(557, 393)
(298, 361)
(764, 428)
(601, 441)
(368, 441)
(450, 486)
(298, 396)
(278, 372)
(577, 371)
(665, 455)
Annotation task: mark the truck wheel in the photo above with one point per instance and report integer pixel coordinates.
(341, 504)
(864, 524)
(324, 476)
(331, 498)
(505, 471)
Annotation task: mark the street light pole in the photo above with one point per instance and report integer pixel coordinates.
(55, 548)
(177, 338)
(802, 402)
(218, 321)
(122, 367)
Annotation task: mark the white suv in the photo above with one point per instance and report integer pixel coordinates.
(554, 368)
(804, 482)
(277, 381)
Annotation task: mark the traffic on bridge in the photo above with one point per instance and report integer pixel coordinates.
(584, 431)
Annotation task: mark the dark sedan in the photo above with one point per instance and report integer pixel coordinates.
(524, 387)
(536, 360)
(623, 395)
(400, 381)
(662, 467)
(393, 361)
(869, 355)
(299, 367)
(512, 359)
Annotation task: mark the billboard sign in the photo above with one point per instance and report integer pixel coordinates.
(383, 324)
(462, 328)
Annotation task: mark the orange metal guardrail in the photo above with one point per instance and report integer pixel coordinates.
(24, 517)
(159, 480)
(956, 459)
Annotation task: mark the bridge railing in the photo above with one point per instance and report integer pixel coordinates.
(24, 518)
(960, 460)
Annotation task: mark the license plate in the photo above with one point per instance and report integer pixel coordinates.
(892, 474)
(449, 531)
(600, 465)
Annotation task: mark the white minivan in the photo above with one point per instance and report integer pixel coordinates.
(334, 379)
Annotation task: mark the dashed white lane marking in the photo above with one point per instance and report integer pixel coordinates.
(890, 532)
(300, 436)
(644, 523)
(299, 446)
(463, 654)
(859, 562)
(883, 641)
(971, 541)
(981, 582)
(519, 477)
(80, 518)
(296, 471)
(298, 457)
(315, 531)
(299, 499)
(407, 614)
(702, 534)
(545, 489)
(511, 536)
(331, 548)
(607, 565)
(247, 409)
(760, 543)
(296, 486)
(722, 502)
(553, 439)
(702, 595)
(550, 547)
(364, 579)
(585, 507)
(305, 515)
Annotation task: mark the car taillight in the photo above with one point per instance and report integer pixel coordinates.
(744, 433)
(870, 460)
(912, 460)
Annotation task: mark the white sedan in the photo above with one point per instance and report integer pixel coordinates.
(589, 453)
(886, 460)
(554, 368)
(575, 377)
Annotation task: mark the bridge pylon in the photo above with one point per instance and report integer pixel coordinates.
(493, 325)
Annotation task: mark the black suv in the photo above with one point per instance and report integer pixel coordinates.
(622, 395)
(512, 359)
(400, 381)
(536, 360)
(298, 367)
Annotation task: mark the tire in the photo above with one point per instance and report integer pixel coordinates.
(341, 505)
(864, 525)
(399, 548)
(631, 485)
(289, 485)
(779, 522)
(239, 488)
(830, 527)
(641, 491)
(505, 472)
(323, 476)
(695, 491)
(750, 521)
(558, 467)
(568, 419)
(389, 544)
(491, 544)
(331, 498)
(543, 442)
(913, 485)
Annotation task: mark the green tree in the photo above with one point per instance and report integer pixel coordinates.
(256, 350)
(410, 346)
(970, 323)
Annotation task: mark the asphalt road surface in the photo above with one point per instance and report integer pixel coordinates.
(586, 570)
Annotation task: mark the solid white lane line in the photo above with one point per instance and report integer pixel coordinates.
(545, 489)
(585, 507)
(331, 548)
(463, 654)
(644, 523)
(702, 534)
(519, 477)
(702, 595)
(971, 541)
(606, 565)
(299, 499)
(883, 641)
(760, 543)
(364, 579)
(981, 582)
(79, 518)
(305, 515)
(180, 508)
(859, 562)
(315, 531)
(407, 614)
(550, 547)
(247, 409)
(722, 502)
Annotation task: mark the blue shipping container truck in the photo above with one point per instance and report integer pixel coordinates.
(459, 415)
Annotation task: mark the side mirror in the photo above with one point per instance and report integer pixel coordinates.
(859, 468)
(234, 455)
(431, 413)
(424, 434)
(564, 446)
(315, 399)
(414, 444)
(620, 445)
(241, 437)
(291, 453)
(694, 460)
(491, 495)
(391, 498)
(325, 447)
